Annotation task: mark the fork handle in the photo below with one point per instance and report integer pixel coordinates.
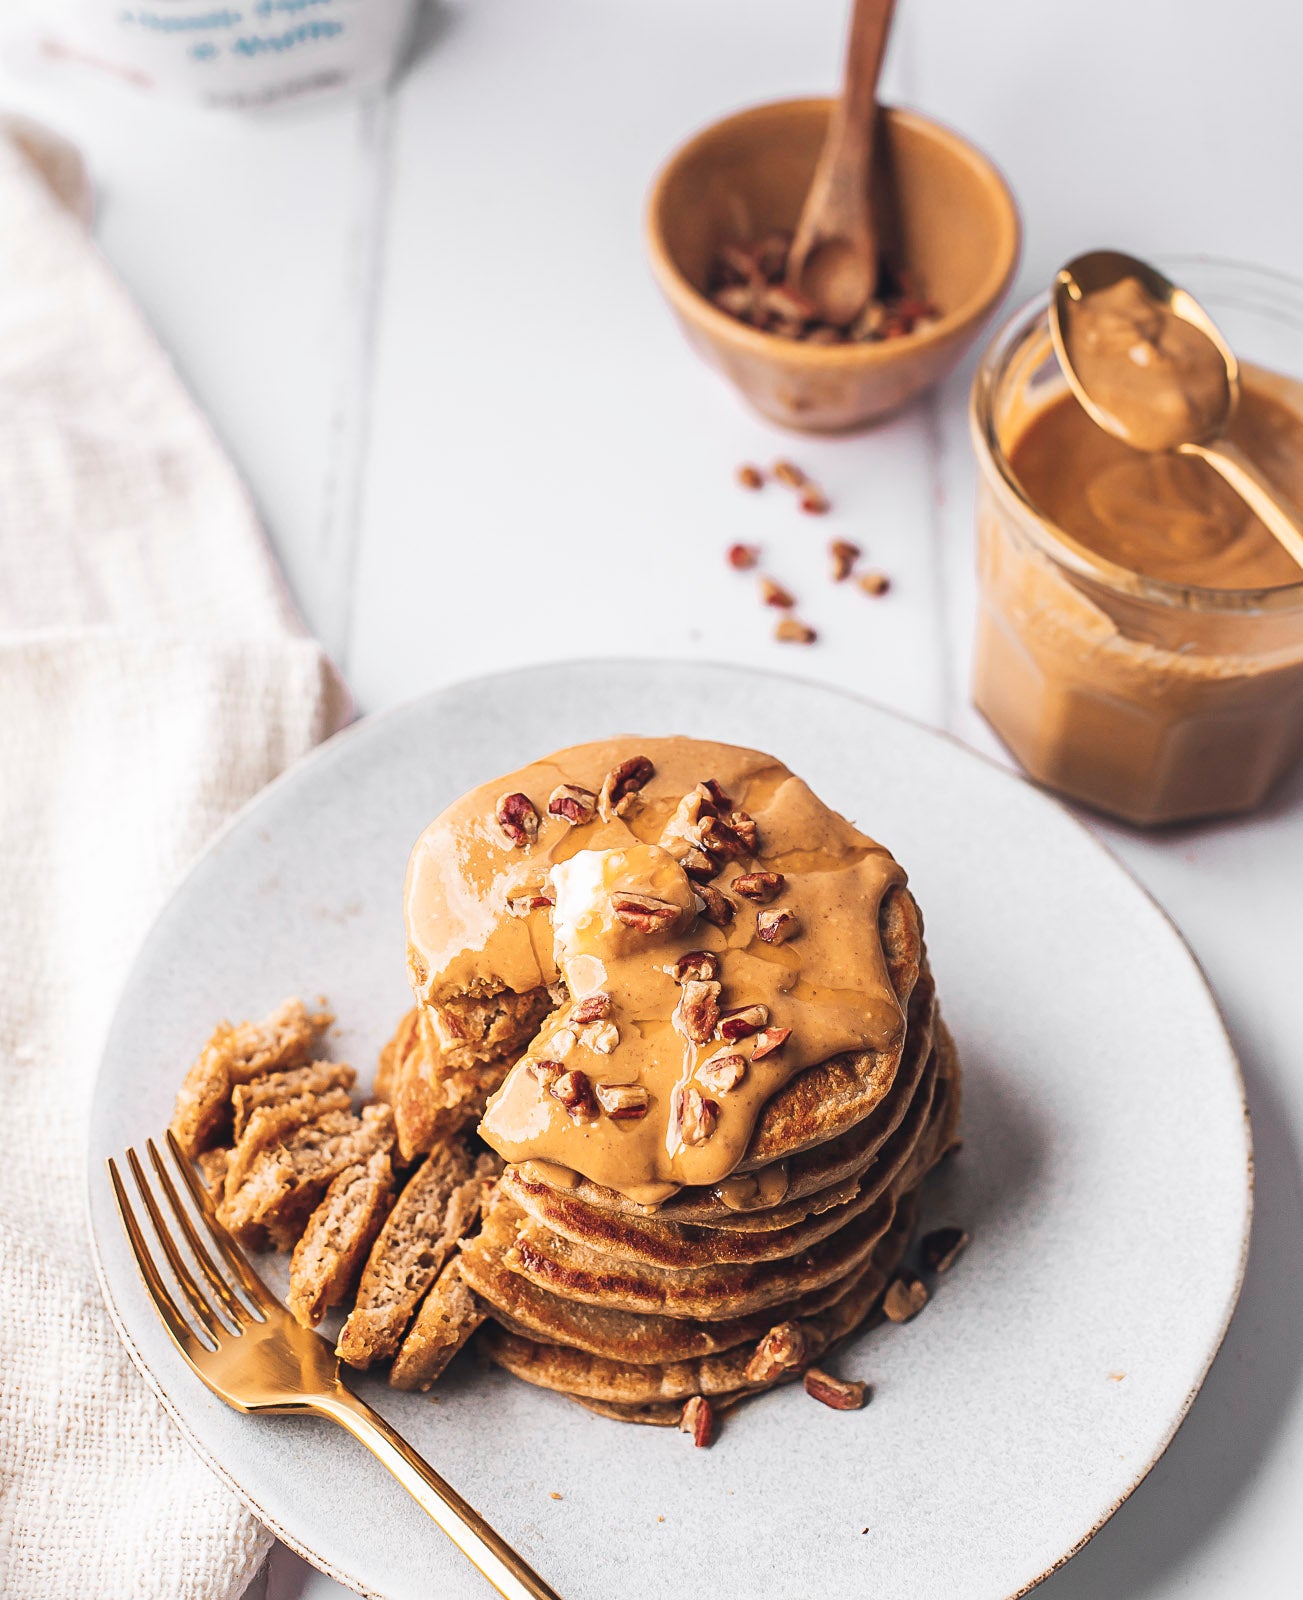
(477, 1541)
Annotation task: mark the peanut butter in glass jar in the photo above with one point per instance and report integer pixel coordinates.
(1139, 632)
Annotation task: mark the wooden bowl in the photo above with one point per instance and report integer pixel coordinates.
(944, 213)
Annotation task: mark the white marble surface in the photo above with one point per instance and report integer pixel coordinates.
(423, 326)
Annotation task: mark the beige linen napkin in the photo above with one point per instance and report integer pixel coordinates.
(153, 676)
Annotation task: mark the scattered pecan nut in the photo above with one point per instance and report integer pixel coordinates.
(698, 1419)
(621, 784)
(700, 867)
(874, 583)
(742, 1023)
(575, 1092)
(742, 557)
(545, 1071)
(761, 887)
(839, 1393)
(572, 804)
(940, 1249)
(622, 1102)
(722, 1073)
(790, 630)
(698, 1010)
(844, 556)
(789, 473)
(783, 1349)
(644, 912)
(778, 925)
(905, 1297)
(744, 825)
(750, 477)
(772, 593)
(815, 502)
(595, 1007)
(716, 906)
(716, 795)
(516, 816)
(768, 1040)
(697, 1116)
(699, 965)
(562, 1043)
(722, 840)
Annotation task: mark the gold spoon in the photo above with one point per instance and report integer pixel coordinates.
(833, 261)
(1197, 429)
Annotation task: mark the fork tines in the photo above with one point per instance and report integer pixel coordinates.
(218, 1311)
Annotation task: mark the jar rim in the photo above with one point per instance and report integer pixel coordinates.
(1054, 540)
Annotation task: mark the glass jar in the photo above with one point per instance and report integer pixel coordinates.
(1150, 700)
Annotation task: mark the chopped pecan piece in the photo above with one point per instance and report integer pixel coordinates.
(874, 583)
(742, 557)
(750, 477)
(815, 502)
(722, 1072)
(622, 1102)
(716, 906)
(783, 1349)
(562, 1043)
(777, 926)
(643, 912)
(744, 825)
(520, 905)
(905, 1297)
(844, 556)
(700, 867)
(546, 1071)
(601, 1037)
(718, 798)
(838, 1393)
(759, 886)
(697, 1116)
(742, 1023)
(790, 630)
(698, 1419)
(573, 804)
(701, 965)
(940, 1249)
(621, 784)
(698, 1010)
(517, 819)
(772, 593)
(595, 1007)
(575, 1092)
(768, 1040)
(789, 473)
(722, 840)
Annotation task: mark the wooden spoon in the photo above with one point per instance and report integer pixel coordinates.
(833, 262)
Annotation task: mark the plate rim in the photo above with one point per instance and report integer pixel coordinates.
(362, 727)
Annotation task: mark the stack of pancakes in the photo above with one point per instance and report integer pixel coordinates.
(723, 1292)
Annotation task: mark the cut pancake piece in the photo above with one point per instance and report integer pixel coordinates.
(683, 1246)
(236, 1055)
(329, 1080)
(439, 1205)
(710, 1292)
(334, 1245)
(448, 1317)
(626, 1383)
(438, 1093)
(282, 1167)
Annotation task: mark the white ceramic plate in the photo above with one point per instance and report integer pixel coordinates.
(1105, 1179)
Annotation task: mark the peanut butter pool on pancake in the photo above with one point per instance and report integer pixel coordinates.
(720, 1073)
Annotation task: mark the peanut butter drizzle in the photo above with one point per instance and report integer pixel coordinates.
(1160, 379)
(828, 984)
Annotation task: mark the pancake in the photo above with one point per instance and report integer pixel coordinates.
(682, 1246)
(626, 1384)
(810, 1172)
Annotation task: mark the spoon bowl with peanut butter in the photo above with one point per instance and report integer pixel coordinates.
(1149, 366)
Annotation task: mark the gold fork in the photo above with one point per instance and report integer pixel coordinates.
(252, 1353)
